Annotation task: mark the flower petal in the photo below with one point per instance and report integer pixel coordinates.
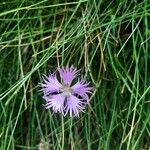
(68, 74)
(73, 106)
(56, 102)
(51, 84)
(82, 89)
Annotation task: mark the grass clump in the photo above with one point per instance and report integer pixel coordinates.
(109, 41)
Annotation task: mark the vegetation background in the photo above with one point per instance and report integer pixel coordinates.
(108, 40)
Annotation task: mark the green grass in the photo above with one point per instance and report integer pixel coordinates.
(108, 40)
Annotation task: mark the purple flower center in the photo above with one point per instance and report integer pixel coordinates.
(66, 90)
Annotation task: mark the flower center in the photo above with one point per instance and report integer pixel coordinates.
(66, 90)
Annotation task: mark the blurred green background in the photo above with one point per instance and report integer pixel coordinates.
(108, 40)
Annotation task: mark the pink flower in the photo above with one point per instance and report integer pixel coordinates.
(63, 98)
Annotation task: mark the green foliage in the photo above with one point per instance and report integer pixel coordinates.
(108, 40)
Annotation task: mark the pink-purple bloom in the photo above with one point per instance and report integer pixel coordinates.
(62, 96)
